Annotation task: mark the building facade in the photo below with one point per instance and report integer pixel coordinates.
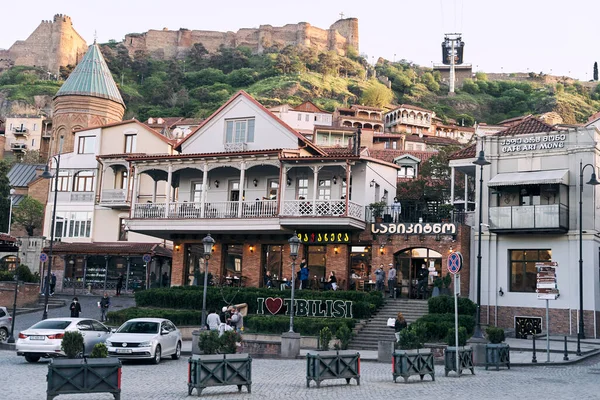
(24, 134)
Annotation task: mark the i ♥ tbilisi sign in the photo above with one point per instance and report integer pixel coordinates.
(306, 308)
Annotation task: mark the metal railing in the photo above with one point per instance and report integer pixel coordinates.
(82, 197)
(321, 208)
(551, 216)
(400, 214)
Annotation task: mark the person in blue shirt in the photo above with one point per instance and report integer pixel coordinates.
(303, 274)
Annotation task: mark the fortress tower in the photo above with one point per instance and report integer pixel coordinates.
(88, 98)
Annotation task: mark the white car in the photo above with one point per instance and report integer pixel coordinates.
(44, 339)
(149, 338)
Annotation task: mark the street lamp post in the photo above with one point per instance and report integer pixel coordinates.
(72, 264)
(11, 338)
(481, 161)
(48, 175)
(294, 245)
(593, 181)
(208, 243)
(12, 194)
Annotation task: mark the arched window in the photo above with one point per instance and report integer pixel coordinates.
(84, 182)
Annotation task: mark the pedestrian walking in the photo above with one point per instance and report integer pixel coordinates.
(104, 304)
(52, 284)
(379, 278)
(75, 308)
(392, 281)
(119, 284)
(422, 279)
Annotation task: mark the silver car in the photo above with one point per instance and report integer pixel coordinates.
(5, 320)
(44, 339)
(145, 338)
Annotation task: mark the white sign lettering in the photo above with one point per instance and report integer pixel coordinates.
(548, 142)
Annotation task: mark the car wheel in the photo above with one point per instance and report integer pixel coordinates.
(3, 335)
(157, 355)
(177, 353)
(32, 359)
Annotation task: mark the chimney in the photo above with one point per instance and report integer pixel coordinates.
(357, 142)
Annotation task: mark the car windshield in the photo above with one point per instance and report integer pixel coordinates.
(48, 324)
(139, 327)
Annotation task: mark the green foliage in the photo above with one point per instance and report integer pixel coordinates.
(209, 342)
(72, 344)
(435, 326)
(344, 335)
(445, 305)
(23, 274)
(376, 95)
(29, 214)
(462, 336)
(99, 351)
(495, 335)
(229, 341)
(4, 195)
(325, 336)
(411, 338)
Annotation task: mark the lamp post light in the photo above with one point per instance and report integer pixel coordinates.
(48, 175)
(294, 245)
(593, 181)
(12, 194)
(208, 243)
(72, 264)
(11, 338)
(481, 161)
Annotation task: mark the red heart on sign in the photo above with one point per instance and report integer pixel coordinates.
(274, 304)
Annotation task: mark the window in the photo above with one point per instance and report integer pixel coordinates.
(63, 182)
(122, 231)
(409, 146)
(394, 145)
(406, 171)
(272, 187)
(196, 192)
(87, 145)
(239, 131)
(299, 117)
(32, 142)
(84, 182)
(307, 118)
(73, 224)
(34, 127)
(323, 139)
(130, 142)
(121, 180)
(523, 274)
(302, 189)
(324, 189)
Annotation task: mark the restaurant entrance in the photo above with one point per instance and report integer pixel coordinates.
(410, 261)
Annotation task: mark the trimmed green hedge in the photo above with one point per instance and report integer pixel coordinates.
(436, 326)
(190, 297)
(252, 323)
(445, 305)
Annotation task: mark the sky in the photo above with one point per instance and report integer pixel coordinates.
(550, 36)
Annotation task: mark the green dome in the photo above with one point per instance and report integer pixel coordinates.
(91, 77)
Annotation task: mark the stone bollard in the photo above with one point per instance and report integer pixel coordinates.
(385, 350)
(195, 336)
(290, 345)
(478, 346)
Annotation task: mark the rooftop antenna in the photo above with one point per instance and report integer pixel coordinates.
(95, 36)
(342, 15)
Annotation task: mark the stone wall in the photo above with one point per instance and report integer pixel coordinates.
(52, 45)
(166, 44)
(28, 294)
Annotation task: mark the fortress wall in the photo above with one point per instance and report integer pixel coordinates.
(348, 28)
(213, 40)
(317, 38)
(34, 50)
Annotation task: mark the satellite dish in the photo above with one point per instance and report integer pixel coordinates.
(177, 132)
(421, 135)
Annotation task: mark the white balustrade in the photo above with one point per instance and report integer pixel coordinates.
(113, 196)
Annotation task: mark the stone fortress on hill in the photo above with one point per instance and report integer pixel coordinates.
(56, 43)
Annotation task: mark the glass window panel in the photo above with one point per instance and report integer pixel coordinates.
(250, 135)
(229, 132)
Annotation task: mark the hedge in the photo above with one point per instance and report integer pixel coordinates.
(190, 297)
(445, 305)
(436, 326)
(252, 323)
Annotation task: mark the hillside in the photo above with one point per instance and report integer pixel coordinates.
(198, 85)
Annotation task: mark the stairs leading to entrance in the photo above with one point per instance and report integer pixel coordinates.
(376, 328)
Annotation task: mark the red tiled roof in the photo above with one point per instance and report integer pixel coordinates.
(202, 155)
(409, 106)
(121, 155)
(467, 152)
(309, 106)
(5, 237)
(359, 107)
(389, 155)
(514, 119)
(111, 248)
(527, 126)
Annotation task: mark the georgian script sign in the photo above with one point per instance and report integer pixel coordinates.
(532, 143)
(429, 228)
(305, 307)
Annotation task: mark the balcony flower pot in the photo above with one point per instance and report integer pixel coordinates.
(497, 353)
(377, 209)
(322, 365)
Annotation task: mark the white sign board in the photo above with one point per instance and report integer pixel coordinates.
(546, 287)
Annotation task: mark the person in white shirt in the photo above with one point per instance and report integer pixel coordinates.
(213, 320)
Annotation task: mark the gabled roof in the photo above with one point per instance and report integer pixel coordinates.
(91, 77)
(21, 174)
(389, 155)
(528, 125)
(262, 108)
(361, 107)
(309, 106)
(467, 152)
(512, 121)
(130, 121)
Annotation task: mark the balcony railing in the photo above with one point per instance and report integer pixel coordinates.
(416, 214)
(20, 131)
(82, 197)
(18, 146)
(113, 196)
(236, 146)
(552, 217)
(249, 209)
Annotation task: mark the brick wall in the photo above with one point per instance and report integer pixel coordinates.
(28, 294)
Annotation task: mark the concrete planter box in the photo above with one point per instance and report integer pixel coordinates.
(94, 375)
(465, 358)
(413, 362)
(219, 370)
(497, 355)
(322, 365)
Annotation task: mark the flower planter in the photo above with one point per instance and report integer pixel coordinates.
(219, 370)
(412, 362)
(94, 375)
(322, 365)
(465, 358)
(497, 355)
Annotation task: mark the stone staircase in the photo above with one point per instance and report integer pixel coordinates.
(376, 329)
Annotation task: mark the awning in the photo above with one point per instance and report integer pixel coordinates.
(531, 178)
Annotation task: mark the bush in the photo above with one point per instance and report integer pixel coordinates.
(445, 305)
(23, 272)
(229, 341)
(72, 344)
(99, 351)
(410, 338)
(325, 336)
(436, 326)
(344, 335)
(209, 342)
(462, 336)
(495, 335)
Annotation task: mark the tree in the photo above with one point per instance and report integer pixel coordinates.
(29, 214)
(376, 95)
(4, 195)
(595, 70)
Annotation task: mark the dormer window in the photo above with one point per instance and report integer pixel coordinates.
(239, 131)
